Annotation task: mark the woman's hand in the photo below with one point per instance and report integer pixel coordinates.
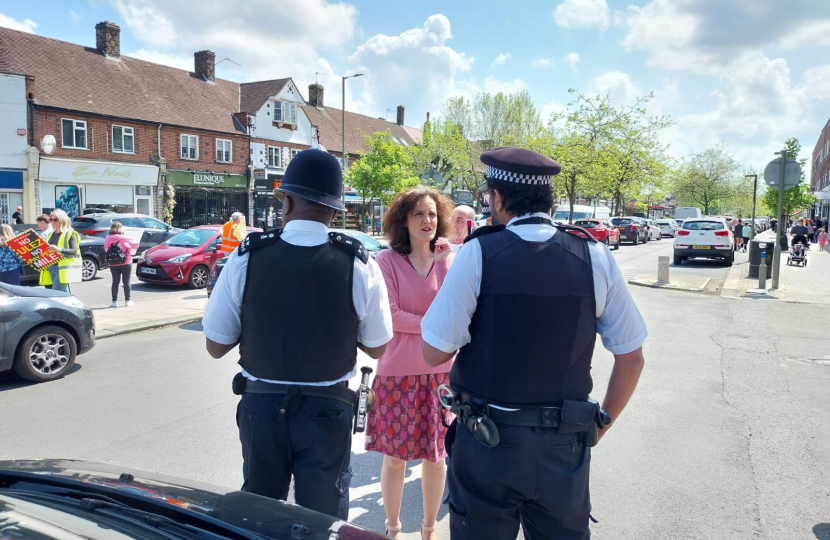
(442, 249)
(53, 247)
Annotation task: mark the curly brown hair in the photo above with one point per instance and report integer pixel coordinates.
(395, 219)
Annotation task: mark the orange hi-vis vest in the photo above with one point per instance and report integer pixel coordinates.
(229, 241)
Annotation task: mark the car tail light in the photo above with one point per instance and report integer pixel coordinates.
(721, 233)
(681, 232)
(93, 231)
(633, 227)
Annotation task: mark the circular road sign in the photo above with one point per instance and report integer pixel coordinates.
(792, 173)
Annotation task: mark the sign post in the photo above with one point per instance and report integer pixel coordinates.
(782, 173)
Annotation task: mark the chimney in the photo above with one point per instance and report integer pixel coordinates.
(315, 95)
(108, 39)
(205, 65)
(400, 115)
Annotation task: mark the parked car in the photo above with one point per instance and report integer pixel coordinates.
(708, 238)
(373, 247)
(92, 252)
(602, 230)
(154, 232)
(185, 259)
(49, 498)
(765, 223)
(679, 222)
(42, 332)
(668, 227)
(631, 229)
(563, 212)
(686, 212)
(654, 232)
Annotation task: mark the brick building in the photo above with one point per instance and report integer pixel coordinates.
(820, 173)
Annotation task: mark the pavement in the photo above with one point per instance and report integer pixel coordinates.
(808, 284)
(173, 308)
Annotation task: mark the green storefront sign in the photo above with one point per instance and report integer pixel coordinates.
(207, 179)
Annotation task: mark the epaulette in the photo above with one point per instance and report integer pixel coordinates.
(481, 231)
(349, 245)
(258, 240)
(573, 228)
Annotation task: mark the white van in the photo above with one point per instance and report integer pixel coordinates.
(688, 212)
(580, 212)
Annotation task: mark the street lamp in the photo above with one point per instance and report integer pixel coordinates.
(754, 193)
(345, 159)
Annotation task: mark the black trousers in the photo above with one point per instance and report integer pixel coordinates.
(121, 274)
(311, 441)
(535, 477)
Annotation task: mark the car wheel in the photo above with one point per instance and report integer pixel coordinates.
(729, 260)
(678, 260)
(199, 277)
(46, 353)
(637, 240)
(617, 245)
(607, 242)
(90, 268)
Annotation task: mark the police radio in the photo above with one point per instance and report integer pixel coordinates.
(364, 400)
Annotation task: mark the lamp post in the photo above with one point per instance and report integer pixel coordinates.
(754, 194)
(343, 133)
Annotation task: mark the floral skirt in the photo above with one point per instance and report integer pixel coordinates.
(406, 421)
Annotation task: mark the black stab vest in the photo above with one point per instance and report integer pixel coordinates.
(534, 328)
(298, 318)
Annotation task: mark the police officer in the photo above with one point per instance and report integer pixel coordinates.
(523, 303)
(299, 302)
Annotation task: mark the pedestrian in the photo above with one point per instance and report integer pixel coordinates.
(739, 236)
(817, 225)
(773, 224)
(745, 233)
(459, 231)
(799, 233)
(67, 242)
(17, 216)
(299, 302)
(233, 232)
(822, 238)
(408, 424)
(119, 254)
(522, 304)
(44, 229)
(810, 230)
(10, 261)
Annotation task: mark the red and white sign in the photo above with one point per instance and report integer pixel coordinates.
(32, 249)
(21, 132)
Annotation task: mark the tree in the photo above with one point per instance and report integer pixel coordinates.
(384, 171)
(445, 149)
(707, 179)
(495, 120)
(796, 198)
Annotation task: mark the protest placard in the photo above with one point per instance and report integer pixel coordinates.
(32, 249)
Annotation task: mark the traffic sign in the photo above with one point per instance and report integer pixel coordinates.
(792, 173)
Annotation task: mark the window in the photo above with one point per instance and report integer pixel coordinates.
(294, 152)
(128, 221)
(285, 112)
(703, 225)
(123, 140)
(190, 147)
(223, 150)
(73, 133)
(150, 223)
(275, 157)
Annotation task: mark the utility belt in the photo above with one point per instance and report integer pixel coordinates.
(572, 416)
(361, 401)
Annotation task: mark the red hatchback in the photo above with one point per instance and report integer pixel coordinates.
(602, 230)
(186, 258)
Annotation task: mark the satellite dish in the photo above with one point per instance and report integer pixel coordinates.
(48, 144)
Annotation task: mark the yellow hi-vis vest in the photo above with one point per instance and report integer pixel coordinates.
(69, 270)
(229, 239)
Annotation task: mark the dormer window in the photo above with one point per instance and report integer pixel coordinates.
(285, 112)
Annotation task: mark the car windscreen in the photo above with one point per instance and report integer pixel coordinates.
(703, 225)
(191, 238)
(82, 223)
(565, 214)
(621, 221)
(587, 223)
(664, 222)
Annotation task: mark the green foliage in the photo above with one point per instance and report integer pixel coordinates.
(708, 180)
(796, 198)
(445, 148)
(384, 171)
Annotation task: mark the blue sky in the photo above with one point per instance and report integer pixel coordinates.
(750, 73)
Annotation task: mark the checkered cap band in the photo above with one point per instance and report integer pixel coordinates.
(507, 176)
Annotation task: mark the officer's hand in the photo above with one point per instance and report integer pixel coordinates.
(442, 249)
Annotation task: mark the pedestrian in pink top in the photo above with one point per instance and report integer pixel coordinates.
(405, 425)
(120, 260)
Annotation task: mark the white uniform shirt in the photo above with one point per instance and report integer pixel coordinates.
(446, 325)
(222, 320)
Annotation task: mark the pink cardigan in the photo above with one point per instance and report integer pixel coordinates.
(410, 296)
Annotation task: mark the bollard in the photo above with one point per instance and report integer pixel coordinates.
(663, 270)
(762, 273)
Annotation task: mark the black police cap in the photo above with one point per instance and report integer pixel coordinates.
(518, 165)
(314, 175)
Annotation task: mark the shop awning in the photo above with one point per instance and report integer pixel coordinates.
(353, 198)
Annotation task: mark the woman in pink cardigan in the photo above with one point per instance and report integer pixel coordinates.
(405, 425)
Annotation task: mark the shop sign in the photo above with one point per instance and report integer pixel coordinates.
(259, 174)
(97, 172)
(207, 179)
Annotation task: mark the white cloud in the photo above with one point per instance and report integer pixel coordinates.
(811, 34)
(172, 60)
(494, 86)
(74, 16)
(549, 109)
(572, 59)
(583, 14)
(817, 82)
(618, 85)
(665, 33)
(27, 25)
(542, 63)
(501, 59)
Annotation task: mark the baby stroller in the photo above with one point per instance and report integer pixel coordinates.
(798, 251)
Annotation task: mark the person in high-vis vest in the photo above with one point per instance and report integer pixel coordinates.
(232, 233)
(67, 243)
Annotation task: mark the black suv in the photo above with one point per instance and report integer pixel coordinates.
(155, 231)
(632, 229)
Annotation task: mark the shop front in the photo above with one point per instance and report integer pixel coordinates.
(11, 194)
(267, 208)
(207, 198)
(84, 187)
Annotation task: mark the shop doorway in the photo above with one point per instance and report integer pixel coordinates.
(8, 205)
(199, 206)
